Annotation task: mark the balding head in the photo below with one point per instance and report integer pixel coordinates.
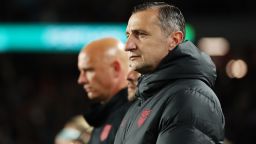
(106, 50)
(103, 66)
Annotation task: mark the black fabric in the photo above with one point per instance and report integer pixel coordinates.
(109, 115)
(176, 103)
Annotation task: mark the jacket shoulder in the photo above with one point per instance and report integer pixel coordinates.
(195, 105)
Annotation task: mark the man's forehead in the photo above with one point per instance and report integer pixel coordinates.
(141, 20)
(83, 59)
(82, 56)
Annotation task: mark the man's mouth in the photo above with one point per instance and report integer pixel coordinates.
(133, 57)
(87, 89)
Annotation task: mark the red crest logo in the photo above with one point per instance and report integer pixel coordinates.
(105, 132)
(143, 116)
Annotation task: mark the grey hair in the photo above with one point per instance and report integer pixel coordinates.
(170, 17)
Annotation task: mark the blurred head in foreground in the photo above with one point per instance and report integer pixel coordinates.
(76, 131)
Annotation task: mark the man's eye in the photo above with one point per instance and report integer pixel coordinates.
(142, 35)
(88, 70)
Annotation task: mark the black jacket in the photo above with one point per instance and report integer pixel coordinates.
(106, 118)
(176, 104)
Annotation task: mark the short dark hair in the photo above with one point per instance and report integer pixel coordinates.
(170, 17)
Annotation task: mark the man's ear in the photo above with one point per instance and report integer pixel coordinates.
(175, 38)
(116, 67)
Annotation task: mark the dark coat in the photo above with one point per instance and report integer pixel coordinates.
(106, 118)
(176, 103)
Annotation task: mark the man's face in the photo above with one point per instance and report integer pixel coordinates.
(132, 78)
(146, 42)
(95, 76)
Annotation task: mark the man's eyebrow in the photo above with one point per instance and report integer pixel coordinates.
(87, 69)
(136, 31)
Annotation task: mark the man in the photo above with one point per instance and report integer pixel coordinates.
(176, 103)
(103, 67)
(132, 79)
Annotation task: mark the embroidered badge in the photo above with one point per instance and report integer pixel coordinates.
(143, 116)
(105, 132)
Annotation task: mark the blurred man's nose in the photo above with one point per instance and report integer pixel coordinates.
(82, 79)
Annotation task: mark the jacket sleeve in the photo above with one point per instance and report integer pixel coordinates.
(190, 118)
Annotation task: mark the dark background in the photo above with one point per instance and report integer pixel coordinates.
(39, 92)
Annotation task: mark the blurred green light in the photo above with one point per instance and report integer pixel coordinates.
(190, 32)
(60, 37)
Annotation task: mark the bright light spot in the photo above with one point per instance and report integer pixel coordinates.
(121, 45)
(217, 46)
(236, 69)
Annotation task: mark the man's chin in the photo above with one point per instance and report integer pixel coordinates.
(94, 97)
(143, 69)
(91, 96)
(134, 66)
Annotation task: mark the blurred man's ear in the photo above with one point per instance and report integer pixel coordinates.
(117, 67)
(175, 38)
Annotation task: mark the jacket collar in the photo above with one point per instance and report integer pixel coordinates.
(185, 61)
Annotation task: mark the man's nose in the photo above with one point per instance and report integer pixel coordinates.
(130, 44)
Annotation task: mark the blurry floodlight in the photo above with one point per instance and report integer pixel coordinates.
(236, 69)
(214, 46)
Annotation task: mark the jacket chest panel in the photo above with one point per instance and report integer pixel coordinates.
(142, 122)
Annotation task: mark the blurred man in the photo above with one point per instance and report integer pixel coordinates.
(103, 69)
(176, 103)
(75, 131)
(132, 78)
